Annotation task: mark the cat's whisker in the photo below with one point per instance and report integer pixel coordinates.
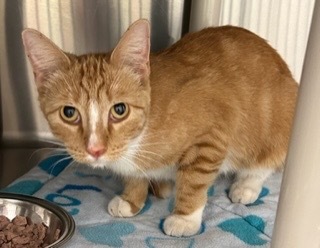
(150, 152)
(149, 144)
(144, 151)
(146, 176)
(73, 163)
(141, 156)
(145, 163)
(136, 166)
(51, 168)
(145, 159)
(118, 151)
(52, 153)
(45, 148)
(133, 164)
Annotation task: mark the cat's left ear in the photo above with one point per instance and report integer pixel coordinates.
(133, 49)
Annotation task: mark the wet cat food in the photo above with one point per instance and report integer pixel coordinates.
(21, 232)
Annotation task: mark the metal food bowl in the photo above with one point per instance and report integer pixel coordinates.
(39, 211)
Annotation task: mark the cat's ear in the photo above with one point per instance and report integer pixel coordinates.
(44, 56)
(133, 49)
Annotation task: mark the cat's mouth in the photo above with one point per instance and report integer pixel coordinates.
(102, 161)
(97, 161)
(123, 165)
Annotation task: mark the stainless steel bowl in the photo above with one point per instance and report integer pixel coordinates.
(39, 210)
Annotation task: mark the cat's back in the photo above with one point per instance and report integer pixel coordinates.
(227, 58)
(227, 76)
(217, 39)
(223, 48)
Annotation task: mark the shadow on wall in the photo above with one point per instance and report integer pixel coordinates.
(17, 67)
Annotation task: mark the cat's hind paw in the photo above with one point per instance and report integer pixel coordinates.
(162, 189)
(243, 194)
(181, 225)
(120, 208)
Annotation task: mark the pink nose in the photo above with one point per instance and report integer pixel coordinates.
(96, 151)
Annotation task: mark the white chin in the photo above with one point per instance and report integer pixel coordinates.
(98, 164)
(121, 166)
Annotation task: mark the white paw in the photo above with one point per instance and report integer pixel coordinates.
(181, 225)
(243, 194)
(120, 208)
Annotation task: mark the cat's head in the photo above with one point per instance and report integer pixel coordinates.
(97, 105)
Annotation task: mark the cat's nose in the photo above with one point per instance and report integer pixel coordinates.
(96, 151)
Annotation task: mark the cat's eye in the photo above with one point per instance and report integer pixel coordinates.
(119, 111)
(70, 114)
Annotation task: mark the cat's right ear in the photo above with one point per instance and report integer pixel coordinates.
(45, 57)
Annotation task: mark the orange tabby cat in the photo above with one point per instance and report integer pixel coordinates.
(218, 100)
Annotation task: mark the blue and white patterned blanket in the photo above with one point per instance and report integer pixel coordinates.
(85, 194)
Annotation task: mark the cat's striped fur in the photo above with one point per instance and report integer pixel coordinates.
(219, 99)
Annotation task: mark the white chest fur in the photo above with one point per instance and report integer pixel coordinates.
(165, 173)
(125, 167)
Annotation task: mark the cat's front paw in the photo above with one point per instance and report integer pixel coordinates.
(120, 208)
(181, 225)
(243, 194)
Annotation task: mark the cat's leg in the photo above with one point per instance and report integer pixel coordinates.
(192, 183)
(248, 184)
(162, 189)
(132, 199)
